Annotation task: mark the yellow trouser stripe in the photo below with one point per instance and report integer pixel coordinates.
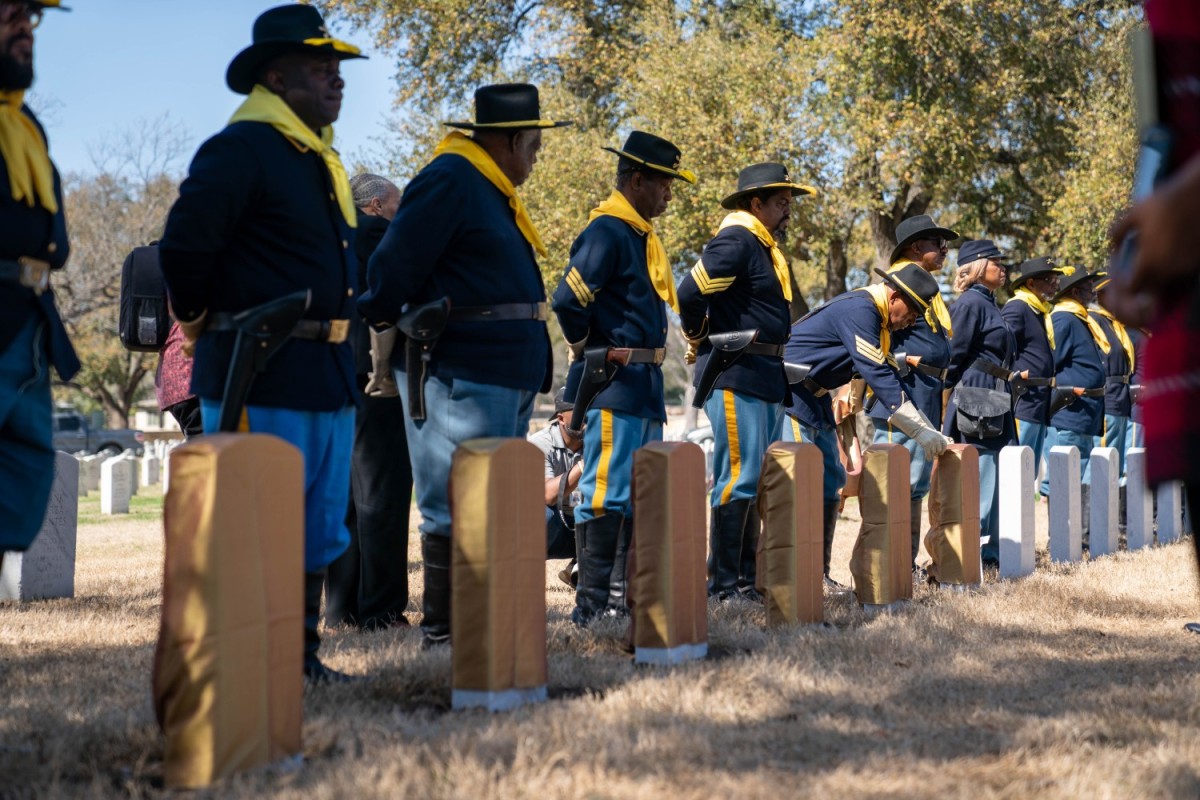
(1104, 434)
(606, 448)
(735, 453)
(796, 429)
(1017, 423)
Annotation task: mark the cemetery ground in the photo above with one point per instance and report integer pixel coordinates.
(1076, 682)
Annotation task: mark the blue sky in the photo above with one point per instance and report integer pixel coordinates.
(108, 64)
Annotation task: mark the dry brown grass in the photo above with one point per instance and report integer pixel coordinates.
(1077, 682)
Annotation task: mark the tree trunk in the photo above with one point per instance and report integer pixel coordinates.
(836, 265)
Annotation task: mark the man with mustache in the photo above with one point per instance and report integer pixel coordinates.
(267, 210)
(742, 283)
(612, 306)
(33, 241)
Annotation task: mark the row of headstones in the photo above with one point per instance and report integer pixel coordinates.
(1017, 475)
(47, 569)
(118, 478)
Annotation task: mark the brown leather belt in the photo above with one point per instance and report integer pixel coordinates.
(1123, 379)
(333, 331)
(502, 312)
(32, 273)
(636, 355)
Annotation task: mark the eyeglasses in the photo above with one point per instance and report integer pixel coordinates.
(938, 244)
(11, 12)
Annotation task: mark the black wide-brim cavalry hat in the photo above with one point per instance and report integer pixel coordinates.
(921, 226)
(917, 285)
(768, 176)
(50, 4)
(508, 106)
(1074, 275)
(1033, 268)
(277, 31)
(654, 152)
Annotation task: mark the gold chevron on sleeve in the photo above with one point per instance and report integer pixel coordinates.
(868, 350)
(577, 285)
(708, 285)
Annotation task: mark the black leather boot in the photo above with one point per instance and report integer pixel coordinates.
(725, 544)
(618, 581)
(596, 540)
(314, 671)
(748, 563)
(435, 625)
(829, 515)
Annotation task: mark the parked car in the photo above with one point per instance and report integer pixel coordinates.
(73, 434)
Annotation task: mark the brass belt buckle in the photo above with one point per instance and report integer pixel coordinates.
(35, 274)
(339, 329)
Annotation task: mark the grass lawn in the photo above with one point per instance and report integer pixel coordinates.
(1076, 682)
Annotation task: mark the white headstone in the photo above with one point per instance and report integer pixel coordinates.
(1170, 514)
(115, 488)
(47, 568)
(1139, 501)
(149, 472)
(1066, 526)
(1017, 475)
(1105, 501)
(131, 464)
(81, 465)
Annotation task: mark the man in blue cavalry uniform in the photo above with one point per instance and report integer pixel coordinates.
(735, 307)
(266, 210)
(1080, 348)
(610, 305)
(457, 274)
(1027, 316)
(33, 241)
(852, 335)
(1119, 365)
(922, 354)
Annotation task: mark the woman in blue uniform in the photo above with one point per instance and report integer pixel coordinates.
(981, 353)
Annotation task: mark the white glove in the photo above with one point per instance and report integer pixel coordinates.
(575, 350)
(381, 382)
(909, 420)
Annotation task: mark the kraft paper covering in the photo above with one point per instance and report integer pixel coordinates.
(227, 683)
(668, 579)
(953, 537)
(791, 548)
(882, 559)
(498, 570)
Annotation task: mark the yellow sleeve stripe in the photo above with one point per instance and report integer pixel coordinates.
(868, 350)
(577, 285)
(708, 285)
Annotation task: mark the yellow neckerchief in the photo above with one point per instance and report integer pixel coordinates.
(937, 314)
(262, 105)
(879, 295)
(1039, 305)
(1122, 335)
(782, 271)
(459, 144)
(656, 255)
(1069, 306)
(30, 175)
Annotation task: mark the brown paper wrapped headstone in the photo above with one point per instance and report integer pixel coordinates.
(851, 455)
(791, 548)
(668, 582)
(497, 574)
(882, 559)
(953, 537)
(228, 685)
